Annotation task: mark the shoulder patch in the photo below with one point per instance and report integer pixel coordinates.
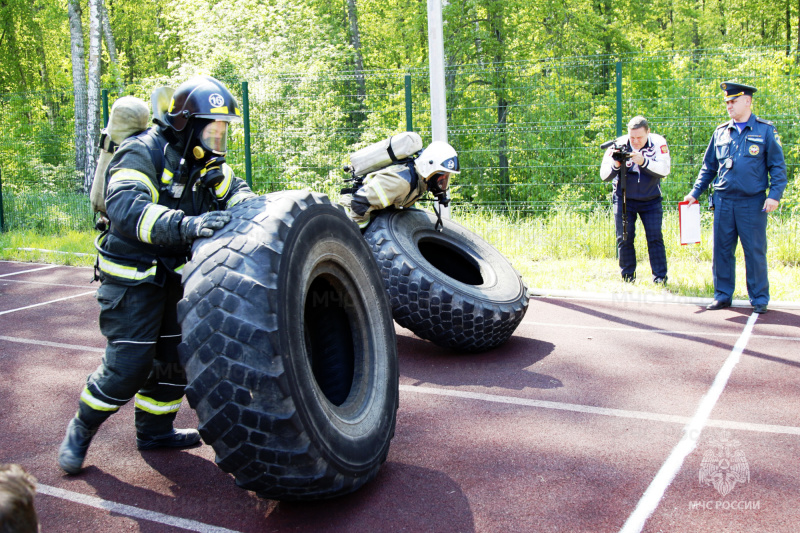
(778, 138)
(664, 149)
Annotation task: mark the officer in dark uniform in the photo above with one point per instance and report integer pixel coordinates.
(744, 159)
(158, 202)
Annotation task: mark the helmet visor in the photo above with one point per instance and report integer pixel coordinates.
(214, 137)
(439, 181)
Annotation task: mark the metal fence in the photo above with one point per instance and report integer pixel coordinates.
(528, 133)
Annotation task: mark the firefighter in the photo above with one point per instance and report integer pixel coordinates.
(401, 185)
(158, 202)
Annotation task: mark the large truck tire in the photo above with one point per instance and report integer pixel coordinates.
(290, 349)
(450, 287)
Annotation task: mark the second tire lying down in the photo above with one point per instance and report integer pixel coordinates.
(450, 287)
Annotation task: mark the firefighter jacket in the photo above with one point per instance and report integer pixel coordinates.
(143, 244)
(643, 182)
(743, 164)
(396, 185)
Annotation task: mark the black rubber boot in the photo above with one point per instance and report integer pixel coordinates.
(177, 438)
(73, 449)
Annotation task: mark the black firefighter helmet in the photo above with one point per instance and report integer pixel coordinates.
(200, 102)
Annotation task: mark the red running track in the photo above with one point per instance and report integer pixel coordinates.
(578, 423)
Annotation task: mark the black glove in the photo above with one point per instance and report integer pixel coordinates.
(203, 225)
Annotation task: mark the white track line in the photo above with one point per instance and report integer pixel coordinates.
(605, 411)
(652, 496)
(661, 331)
(46, 303)
(26, 271)
(511, 400)
(648, 298)
(128, 510)
(43, 283)
(53, 344)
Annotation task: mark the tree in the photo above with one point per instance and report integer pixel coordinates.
(78, 81)
(93, 90)
(111, 47)
(355, 41)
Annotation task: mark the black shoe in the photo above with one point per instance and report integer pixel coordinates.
(73, 450)
(177, 438)
(716, 304)
(630, 278)
(760, 308)
(659, 280)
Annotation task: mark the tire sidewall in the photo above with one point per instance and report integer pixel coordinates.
(409, 227)
(345, 435)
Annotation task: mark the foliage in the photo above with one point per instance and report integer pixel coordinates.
(531, 87)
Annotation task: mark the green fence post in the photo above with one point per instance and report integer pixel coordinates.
(2, 215)
(409, 125)
(104, 94)
(248, 165)
(619, 98)
(619, 125)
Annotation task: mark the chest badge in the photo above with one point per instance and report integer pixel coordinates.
(754, 149)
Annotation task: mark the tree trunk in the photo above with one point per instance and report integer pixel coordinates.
(44, 74)
(788, 27)
(496, 21)
(355, 41)
(111, 46)
(93, 91)
(78, 81)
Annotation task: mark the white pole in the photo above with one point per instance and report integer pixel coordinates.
(436, 63)
(436, 60)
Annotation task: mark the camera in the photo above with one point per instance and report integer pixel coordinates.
(620, 153)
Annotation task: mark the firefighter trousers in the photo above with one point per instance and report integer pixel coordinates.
(141, 362)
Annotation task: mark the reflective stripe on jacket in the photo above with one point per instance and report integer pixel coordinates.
(139, 204)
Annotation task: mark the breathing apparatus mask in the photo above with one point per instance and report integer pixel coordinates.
(209, 146)
(198, 116)
(438, 182)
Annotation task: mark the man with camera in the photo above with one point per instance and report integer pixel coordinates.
(744, 159)
(637, 192)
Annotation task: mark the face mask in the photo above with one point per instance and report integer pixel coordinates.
(212, 138)
(439, 182)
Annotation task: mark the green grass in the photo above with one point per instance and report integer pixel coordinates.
(565, 251)
(571, 251)
(63, 249)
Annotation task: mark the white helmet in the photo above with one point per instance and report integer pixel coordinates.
(439, 159)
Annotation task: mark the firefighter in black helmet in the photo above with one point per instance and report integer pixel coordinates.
(165, 188)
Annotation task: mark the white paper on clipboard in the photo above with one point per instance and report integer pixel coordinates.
(689, 219)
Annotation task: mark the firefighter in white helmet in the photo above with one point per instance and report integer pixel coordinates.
(402, 184)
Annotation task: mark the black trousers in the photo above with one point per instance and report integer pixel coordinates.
(141, 326)
(651, 213)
